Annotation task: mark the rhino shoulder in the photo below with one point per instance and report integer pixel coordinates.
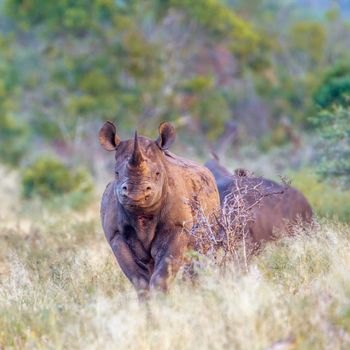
(174, 160)
(106, 197)
(191, 168)
(109, 210)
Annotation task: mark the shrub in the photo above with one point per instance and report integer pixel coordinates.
(14, 139)
(335, 130)
(48, 178)
(243, 40)
(277, 137)
(307, 41)
(325, 199)
(13, 129)
(334, 87)
(333, 101)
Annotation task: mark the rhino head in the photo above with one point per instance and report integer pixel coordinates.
(140, 171)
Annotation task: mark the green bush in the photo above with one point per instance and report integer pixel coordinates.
(14, 131)
(307, 41)
(14, 139)
(334, 125)
(334, 87)
(48, 178)
(333, 122)
(243, 40)
(276, 138)
(59, 16)
(325, 199)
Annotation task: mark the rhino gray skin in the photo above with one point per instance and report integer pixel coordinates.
(280, 206)
(145, 211)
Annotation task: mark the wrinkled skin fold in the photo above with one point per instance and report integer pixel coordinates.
(145, 211)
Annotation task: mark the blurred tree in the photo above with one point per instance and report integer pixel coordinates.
(307, 41)
(333, 121)
(334, 125)
(206, 62)
(206, 104)
(97, 59)
(221, 22)
(13, 130)
(95, 62)
(334, 87)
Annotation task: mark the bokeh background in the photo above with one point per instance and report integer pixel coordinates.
(264, 84)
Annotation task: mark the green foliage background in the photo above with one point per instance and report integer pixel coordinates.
(333, 121)
(66, 66)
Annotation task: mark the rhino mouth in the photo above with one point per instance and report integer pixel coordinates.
(135, 204)
(141, 203)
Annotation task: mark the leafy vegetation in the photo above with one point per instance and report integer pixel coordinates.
(65, 65)
(335, 128)
(48, 177)
(13, 133)
(326, 199)
(334, 88)
(333, 122)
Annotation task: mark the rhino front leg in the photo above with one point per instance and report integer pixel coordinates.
(137, 275)
(167, 262)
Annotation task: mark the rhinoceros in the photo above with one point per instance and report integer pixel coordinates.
(277, 207)
(146, 210)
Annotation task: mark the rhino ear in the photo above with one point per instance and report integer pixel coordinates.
(108, 137)
(167, 135)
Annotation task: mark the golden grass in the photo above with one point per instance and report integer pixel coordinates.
(61, 288)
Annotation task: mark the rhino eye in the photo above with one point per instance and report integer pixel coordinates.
(157, 173)
(116, 173)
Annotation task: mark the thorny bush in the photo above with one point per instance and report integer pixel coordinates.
(225, 238)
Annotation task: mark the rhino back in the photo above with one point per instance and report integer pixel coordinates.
(192, 181)
(275, 206)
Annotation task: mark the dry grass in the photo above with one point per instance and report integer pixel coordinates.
(60, 288)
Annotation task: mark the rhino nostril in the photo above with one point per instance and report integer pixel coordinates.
(147, 197)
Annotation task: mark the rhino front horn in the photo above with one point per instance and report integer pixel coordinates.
(137, 157)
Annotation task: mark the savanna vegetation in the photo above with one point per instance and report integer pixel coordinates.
(265, 84)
